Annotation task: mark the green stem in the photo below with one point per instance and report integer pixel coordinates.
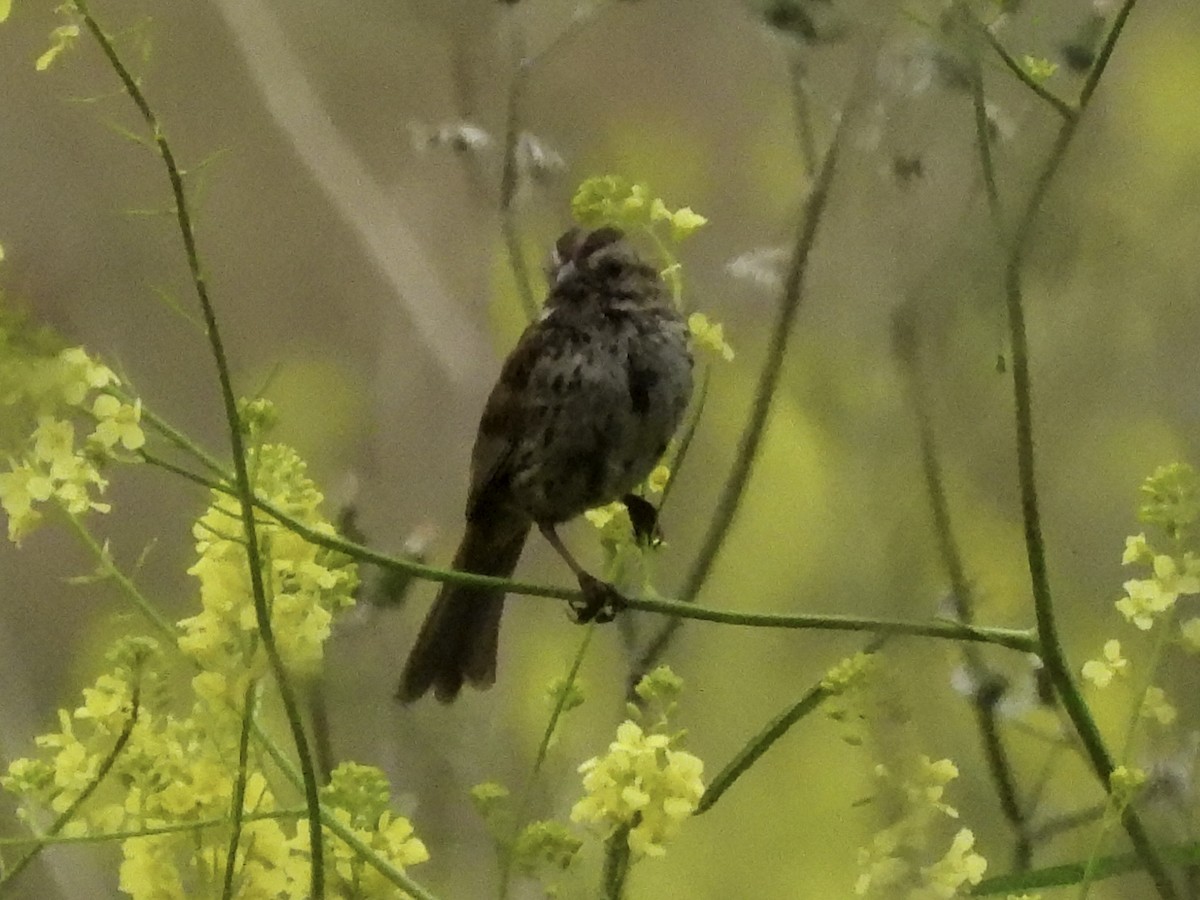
(237, 810)
(986, 692)
(1013, 638)
(245, 491)
(616, 864)
(1052, 652)
(540, 758)
(151, 830)
(689, 432)
(1063, 108)
(983, 136)
(765, 739)
(764, 395)
(1072, 873)
(509, 181)
(108, 568)
(66, 815)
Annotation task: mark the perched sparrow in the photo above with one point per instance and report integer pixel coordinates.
(583, 409)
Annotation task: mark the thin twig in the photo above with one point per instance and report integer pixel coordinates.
(1052, 652)
(101, 773)
(1063, 108)
(1021, 640)
(764, 395)
(245, 491)
(509, 182)
(985, 695)
(765, 739)
(616, 864)
(237, 810)
(539, 759)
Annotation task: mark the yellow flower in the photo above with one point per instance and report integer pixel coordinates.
(1100, 672)
(709, 335)
(118, 423)
(847, 674)
(1155, 705)
(1137, 550)
(656, 481)
(149, 870)
(640, 780)
(961, 865)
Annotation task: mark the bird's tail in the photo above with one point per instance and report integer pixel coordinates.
(457, 643)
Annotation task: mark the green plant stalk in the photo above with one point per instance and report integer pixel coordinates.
(65, 816)
(540, 758)
(1051, 648)
(760, 744)
(983, 699)
(508, 191)
(1021, 640)
(295, 812)
(1126, 752)
(688, 433)
(983, 139)
(1072, 873)
(509, 173)
(616, 864)
(1063, 108)
(149, 611)
(768, 382)
(245, 491)
(802, 111)
(237, 810)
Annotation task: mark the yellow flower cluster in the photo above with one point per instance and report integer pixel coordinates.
(1101, 672)
(48, 395)
(305, 584)
(1148, 599)
(642, 783)
(896, 863)
(172, 771)
(613, 200)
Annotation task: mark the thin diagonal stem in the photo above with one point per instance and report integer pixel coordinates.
(237, 811)
(539, 759)
(1063, 108)
(985, 694)
(245, 491)
(764, 395)
(69, 813)
(1052, 652)
(765, 739)
(509, 181)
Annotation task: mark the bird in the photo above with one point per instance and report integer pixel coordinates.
(583, 409)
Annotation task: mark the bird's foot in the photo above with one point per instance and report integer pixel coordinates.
(600, 601)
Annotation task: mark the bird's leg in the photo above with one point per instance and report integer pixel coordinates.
(601, 601)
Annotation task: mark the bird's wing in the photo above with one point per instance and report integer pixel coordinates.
(505, 418)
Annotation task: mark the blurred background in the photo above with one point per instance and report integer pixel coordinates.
(350, 227)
